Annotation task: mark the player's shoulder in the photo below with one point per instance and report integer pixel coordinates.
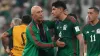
(71, 18)
(17, 26)
(86, 26)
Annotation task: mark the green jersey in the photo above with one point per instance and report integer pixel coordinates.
(34, 43)
(92, 37)
(67, 30)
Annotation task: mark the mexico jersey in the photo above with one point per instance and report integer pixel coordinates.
(92, 37)
(67, 30)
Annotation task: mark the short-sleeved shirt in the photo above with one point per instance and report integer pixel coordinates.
(67, 30)
(92, 37)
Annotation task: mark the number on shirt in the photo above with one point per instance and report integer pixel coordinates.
(23, 36)
(93, 39)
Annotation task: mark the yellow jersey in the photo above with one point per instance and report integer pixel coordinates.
(19, 39)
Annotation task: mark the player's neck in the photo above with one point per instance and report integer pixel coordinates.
(62, 17)
(37, 21)
(94, 22)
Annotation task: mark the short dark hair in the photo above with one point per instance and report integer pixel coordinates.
(95, 9)
(58, 4)
(74, 15)
(26, 19)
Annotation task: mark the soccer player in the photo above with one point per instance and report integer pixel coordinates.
(18, 35)
(14, 22)
(67, 29)
(91, 32)
(39, 41)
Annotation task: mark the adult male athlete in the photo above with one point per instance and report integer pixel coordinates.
(67, 29)
(91, 33)
(18, 36)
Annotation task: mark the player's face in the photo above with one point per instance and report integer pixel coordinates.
(56, 12)
(92, 15)
(38, 14)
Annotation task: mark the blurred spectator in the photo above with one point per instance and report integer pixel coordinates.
(2, 21)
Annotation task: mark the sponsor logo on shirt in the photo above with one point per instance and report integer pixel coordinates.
(87, 32)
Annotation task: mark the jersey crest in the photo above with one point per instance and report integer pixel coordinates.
(98, 31)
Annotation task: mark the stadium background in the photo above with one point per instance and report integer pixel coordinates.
(10, 9)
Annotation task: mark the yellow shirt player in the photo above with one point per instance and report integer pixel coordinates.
(18, 36)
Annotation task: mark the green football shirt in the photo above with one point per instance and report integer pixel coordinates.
(34, 43)
(92, 37)
(67, 30)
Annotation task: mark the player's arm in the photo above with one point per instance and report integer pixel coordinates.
(85, 49)
(40, 44)
(81, 44)
(85, 43)
(5, 39)
(79, 35)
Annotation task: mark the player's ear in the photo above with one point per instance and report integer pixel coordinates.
(65, 12)
(61, 9)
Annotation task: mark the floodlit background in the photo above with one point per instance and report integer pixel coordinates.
(10, 9)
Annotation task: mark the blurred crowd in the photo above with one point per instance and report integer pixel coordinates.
(10, 9)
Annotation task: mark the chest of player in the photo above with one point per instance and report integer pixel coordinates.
(93, 34)
(64, 29)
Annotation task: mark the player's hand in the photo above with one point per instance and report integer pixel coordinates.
(60, 43)
(85, 54)
(9, 55)
(4, 34)
(7, 50)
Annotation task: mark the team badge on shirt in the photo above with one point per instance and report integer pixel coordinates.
(64, 27)
(98, 31)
